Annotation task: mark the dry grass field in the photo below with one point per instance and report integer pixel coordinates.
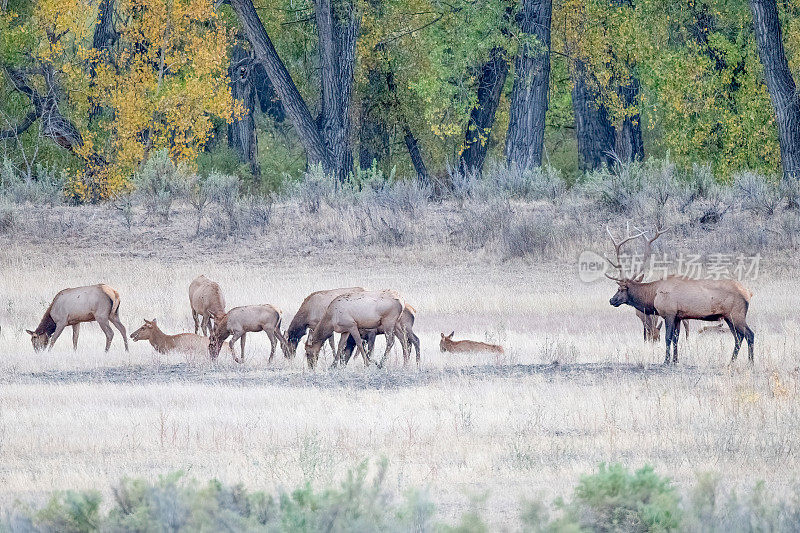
(576, 387)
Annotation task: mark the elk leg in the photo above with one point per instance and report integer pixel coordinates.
(235, 337)
(359, 342)
(371, 343)
(677, 335)
(389, 344)
(415, 342)
(345, 340)
(737, 339)
(117, 324)
(668, 336)
(241, 341)
(56, 333)
(750, 336)
(273, 342)
(103, 323)
(76, 328)
(196, 322)
(206, 325)
(348, 350)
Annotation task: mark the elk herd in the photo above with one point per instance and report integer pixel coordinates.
(359, 316)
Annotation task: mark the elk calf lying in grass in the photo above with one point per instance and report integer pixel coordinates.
(188, 343)
(70, 307)
(356, 312)
(248, 319)
(206, 300)
(404, 327)
(447, 344)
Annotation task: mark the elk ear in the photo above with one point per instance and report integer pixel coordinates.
(639, 278)
(442, 334)
(451, 334)
(29, 332)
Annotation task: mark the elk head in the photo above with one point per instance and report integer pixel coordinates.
(39, 340)
(626, 281)
(218, 334)
(446, 341)
(145, 332)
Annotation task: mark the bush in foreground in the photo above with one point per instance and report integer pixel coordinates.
(611, 499)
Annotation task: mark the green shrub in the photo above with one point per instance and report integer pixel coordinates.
(159, 182)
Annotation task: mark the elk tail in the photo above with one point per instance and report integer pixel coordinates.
(113, 296)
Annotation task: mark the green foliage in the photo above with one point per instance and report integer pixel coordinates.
(71, 512)
(611, 499)
(159, 182)
(173, 503)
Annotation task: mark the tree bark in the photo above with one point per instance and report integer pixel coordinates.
(629, 145)
(242, 130)
(373, 134)
(593, 129)
(292, 100)
(490, 87)
(328, 140)
(525, 139)
(780, 83)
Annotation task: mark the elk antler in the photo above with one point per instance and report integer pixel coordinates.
(648, 249)
(617, 247)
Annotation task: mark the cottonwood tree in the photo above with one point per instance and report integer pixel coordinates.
(327, 139)
(781, 84)
(528, 108)
(142, 75)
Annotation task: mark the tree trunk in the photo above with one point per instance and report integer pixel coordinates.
(329, 140)
(629, 145)
(525, 139)
(593, 129)
(242, 130)
(408, 136)
(490, 87)
(781, 85)
(373, 133)
(292, 100)
(338, 31)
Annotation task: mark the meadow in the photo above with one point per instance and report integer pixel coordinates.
(577, 386)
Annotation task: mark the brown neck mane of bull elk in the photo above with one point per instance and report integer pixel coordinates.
(676, 298)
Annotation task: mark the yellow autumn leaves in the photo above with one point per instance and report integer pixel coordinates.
(163, 84)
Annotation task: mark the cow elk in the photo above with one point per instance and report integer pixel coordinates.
(70, 307)
(677, 299)
(188, 343)
(206, 301)
(356, 312)
(405, 326)
(447, 344)
(310, 313)
(240, 321)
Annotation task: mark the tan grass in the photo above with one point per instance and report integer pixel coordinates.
(513, 427)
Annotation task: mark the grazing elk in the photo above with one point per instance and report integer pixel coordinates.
(206, 300)
(405, 324)
(356, 312)
(310, 313)
(676, 299)
(189, 343)
(651, 325)
(70, 307)
(447, 344)
(240, 321)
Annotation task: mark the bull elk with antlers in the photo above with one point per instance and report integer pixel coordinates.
(678, 298)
